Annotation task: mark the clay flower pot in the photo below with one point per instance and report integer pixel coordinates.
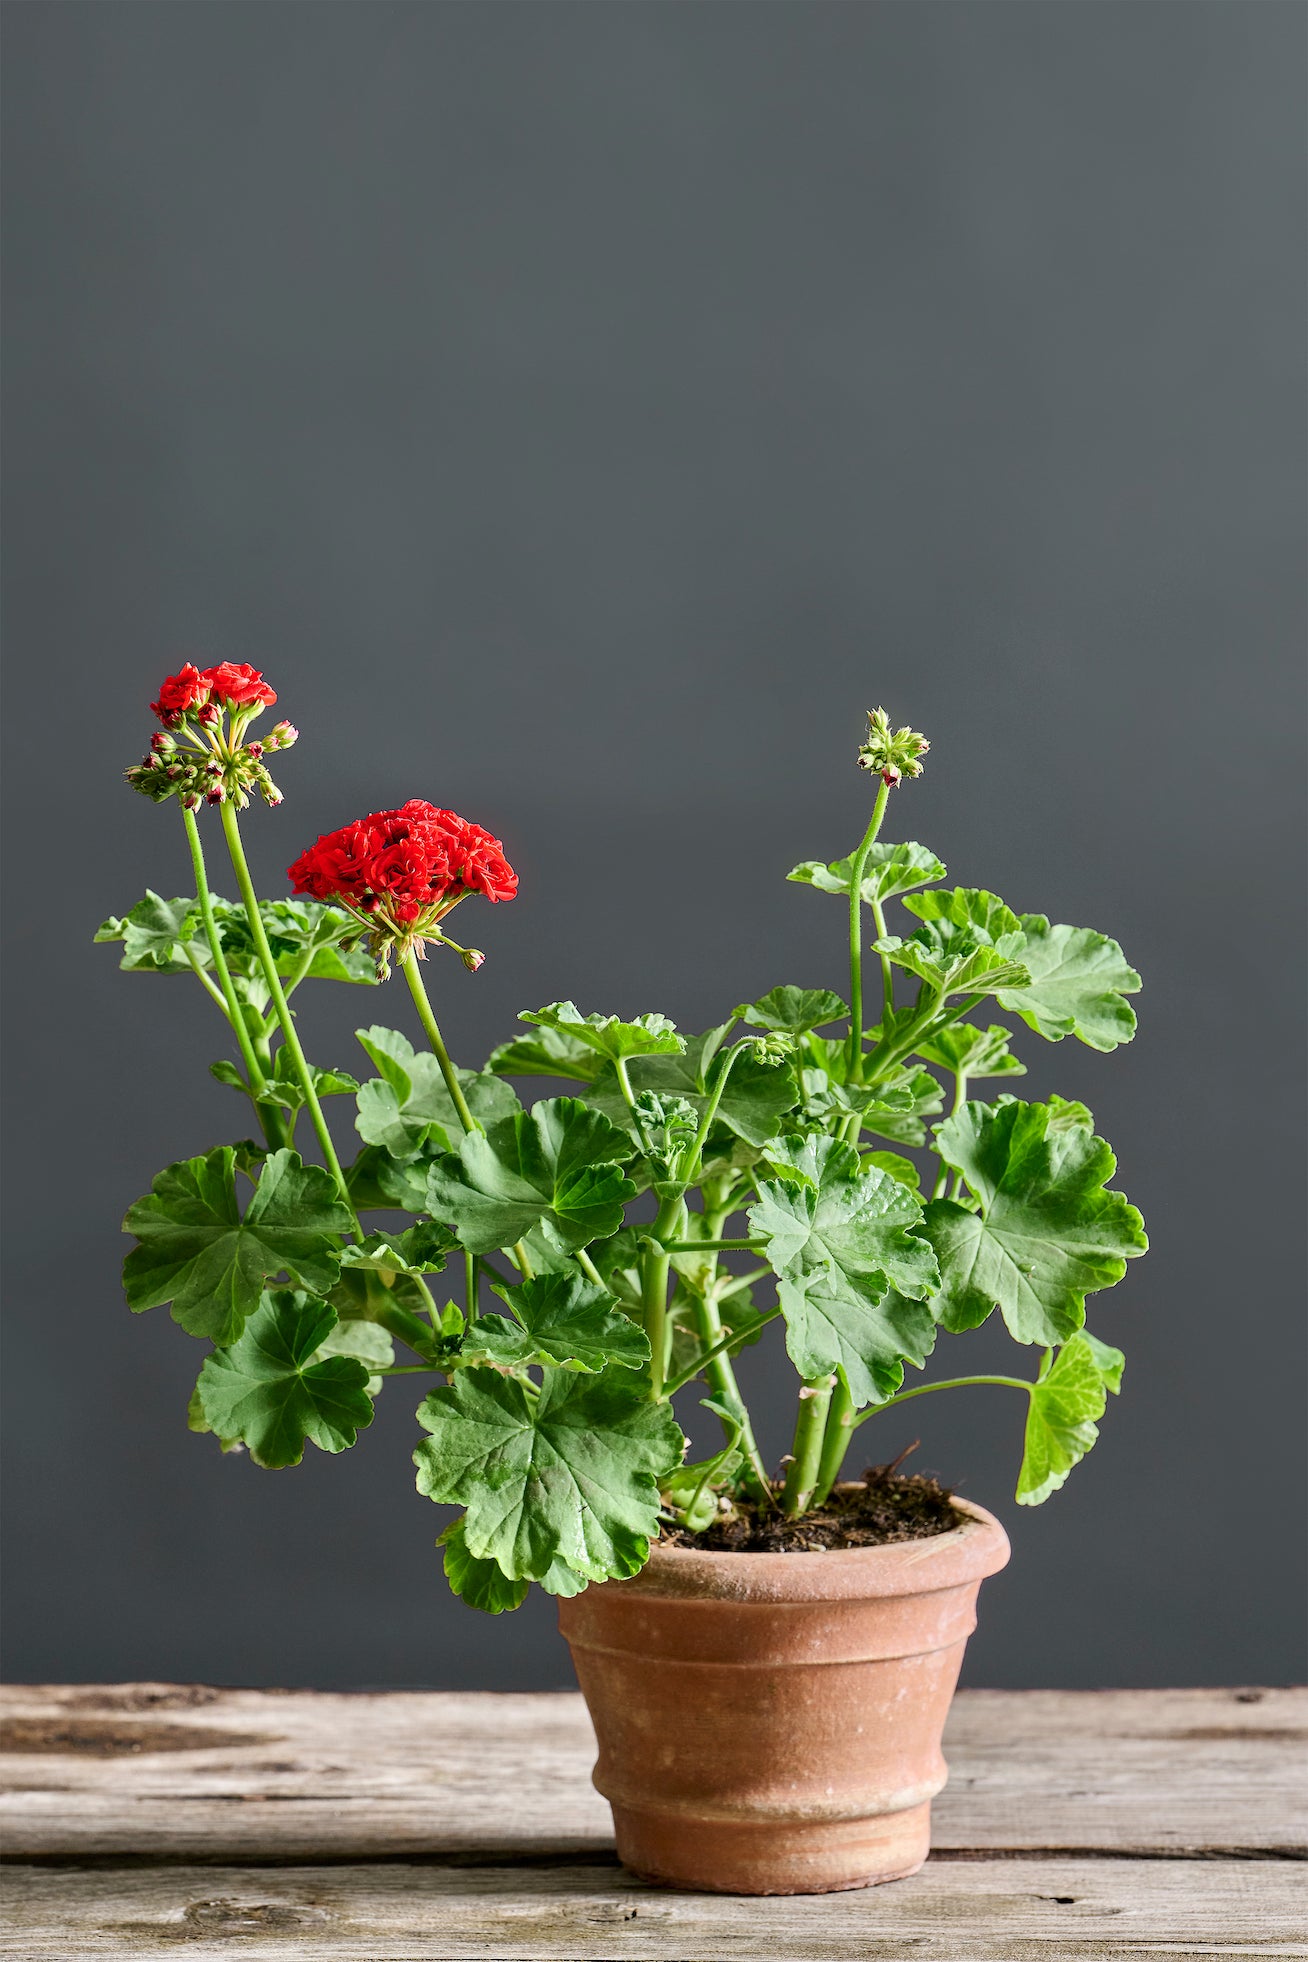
(770, 1723)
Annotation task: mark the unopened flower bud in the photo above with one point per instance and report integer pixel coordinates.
(270, 793)
(282, 735)
(161, 743)
(892, 754)
(473, 958)
(255, 750)
(210, 715)
(190, 801)
(213, 768)
(369, 903)
(215, 796)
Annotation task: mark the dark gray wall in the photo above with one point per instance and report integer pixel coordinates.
(583, 413)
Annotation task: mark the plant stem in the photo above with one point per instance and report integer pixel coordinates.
(270, 1115)
(654, 1266)
(588, 1267)
(810, 1430)
(710, 1246)
(731, 1340)
(691, 1167)
(231, 831)
(628, 1097)
(410, 1328)
(721, 1379)
(856, 933)
(954, 1383)
(432, 1030)
(887, 969)
(960, 1098)
(835, 1442)
(470, 1284)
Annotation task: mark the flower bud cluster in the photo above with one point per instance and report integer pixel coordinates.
(892, 754)
(200, 755)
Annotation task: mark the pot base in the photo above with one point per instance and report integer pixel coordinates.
(824, 1857)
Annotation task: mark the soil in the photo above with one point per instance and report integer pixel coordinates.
(888, 1506)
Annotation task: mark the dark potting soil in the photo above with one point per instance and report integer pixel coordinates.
(887, 1506)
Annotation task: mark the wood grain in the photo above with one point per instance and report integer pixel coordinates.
(954, 1911)
(1174, 1773)
(157, 1819)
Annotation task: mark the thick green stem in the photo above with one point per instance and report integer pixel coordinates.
(410, 1328)
(588, 1267)
(711, 1246)
(887, 969)
(835, 1443)
(731, 1341)
(432, 1030)
(856, 933)
(954, 1383)
(810, 1430)
(960, 1098)
(304, 1074)
(654, 1266)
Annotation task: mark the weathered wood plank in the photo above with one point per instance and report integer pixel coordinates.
(245, 1776)
(954, 1911)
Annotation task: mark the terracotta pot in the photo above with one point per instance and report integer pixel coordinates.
(770, 1723)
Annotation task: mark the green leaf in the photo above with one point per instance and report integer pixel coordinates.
(756, 1097)
(409, 1106)
(200, 1253)
(974, 1052)
(796, 1010)
(197, 1421)
(367, 1343)
(378, 1180)
(888, 871)
(957, 960)
(850, 1269)
(568, 1478)
(1046, 1233)
(550, 1052)
(900, 1103)
(297, 930)
(1078, 981)
(563, 1321)
(284, 1085)
(386, 1268)
(648, 1035)
(966, 906)
(555, 1163)
(480, 1583)
(268, 1390)
(1062, 1422)
(154, 934)
(894, 1167)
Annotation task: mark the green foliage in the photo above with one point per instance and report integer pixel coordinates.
(757, 1095)
(305, 936)
(155, 934)
(1078, 981)
(274, 1391)
(609, 1037)
(550, 1052)
(562, 1320)
(1062, 1421)
(973, 1052)
(852, 1273)
(409, 1107)
(957, 960)
(1045, 1232)
(481, 1583)
(199, 1251)
(795, 1010)
(888, 871)
(285, 1087)
(568, 1477)
(559, 1163)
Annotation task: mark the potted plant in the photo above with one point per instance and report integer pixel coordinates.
(768, 1659)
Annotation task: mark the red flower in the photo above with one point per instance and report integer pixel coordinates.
(238, 686)
(409, 866)
(187, 689)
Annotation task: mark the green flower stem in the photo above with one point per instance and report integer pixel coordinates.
(434, 1037)
(197, 969)
(721, 1379)
(723, 1290)
(960, 1098)
(470, 1283)
(691, 1167)
(835, 1442)
(810, 1431)
(406, 1369)
(410, 1328)
(628, 1097)
(654, 1266)
(588, 1267)
(856, 933)
(729, 1342)
(270, 1115)
(954, 1383)
(231, 831)
(887, 968)
(709, 1246)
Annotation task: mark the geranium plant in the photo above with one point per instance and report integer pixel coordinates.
(612, 1247)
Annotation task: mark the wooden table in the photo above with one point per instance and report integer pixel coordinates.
(151, 1820)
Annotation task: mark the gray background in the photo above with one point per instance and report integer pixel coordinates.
(584, 413)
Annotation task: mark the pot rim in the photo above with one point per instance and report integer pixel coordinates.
(976, 1547)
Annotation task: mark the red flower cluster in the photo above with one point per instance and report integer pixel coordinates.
(412, 865)
(231, 683)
